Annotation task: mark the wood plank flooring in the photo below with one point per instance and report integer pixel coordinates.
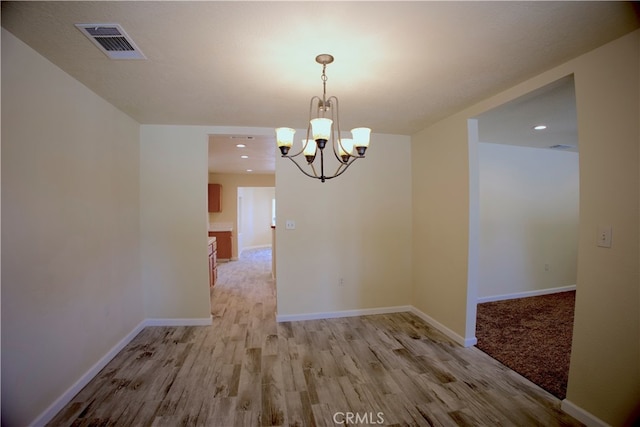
(248, 370)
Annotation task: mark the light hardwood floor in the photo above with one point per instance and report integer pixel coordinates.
(248, 370)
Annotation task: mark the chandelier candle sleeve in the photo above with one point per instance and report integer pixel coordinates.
(321, 128)
(309, 148)
(361, 138)
(324, 127)
(284, 137)
(345, 149)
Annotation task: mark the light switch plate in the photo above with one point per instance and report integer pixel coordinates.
(290, 224)
(604, 236)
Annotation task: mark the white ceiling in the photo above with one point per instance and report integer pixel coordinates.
(399, 66)
(553, 106)
(225, 154)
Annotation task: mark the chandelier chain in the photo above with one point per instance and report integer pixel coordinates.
(324, 81)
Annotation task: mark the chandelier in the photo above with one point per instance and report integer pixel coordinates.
(324, 126)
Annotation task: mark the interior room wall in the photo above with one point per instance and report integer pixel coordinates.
(70, 229)
(230, 184)
(529, 217)
(356, 227)
(605, 375)
(255, 217)
(173, 222)
(604, 379)
(440, 185)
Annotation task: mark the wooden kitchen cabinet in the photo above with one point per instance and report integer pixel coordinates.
(223, 239)
(215, 197)
(213, 263)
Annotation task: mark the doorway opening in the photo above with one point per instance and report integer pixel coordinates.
(524, 210)
(255, 217)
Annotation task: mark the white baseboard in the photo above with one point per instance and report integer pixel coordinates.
(526, 294)
(465, 342)
(381, 310)
(344, 313)
(581, 415)
(71, 392)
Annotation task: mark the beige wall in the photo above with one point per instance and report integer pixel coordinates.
(173, 221)
(70, 229)
(440, 195)
(230, 184)
(605, 374)
(356, 227)
(528, 219)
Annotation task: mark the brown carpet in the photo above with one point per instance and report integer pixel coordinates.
(532, 336)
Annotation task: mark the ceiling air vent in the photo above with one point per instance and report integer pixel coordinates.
(112, 40)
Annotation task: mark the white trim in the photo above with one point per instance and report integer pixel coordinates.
(345, 313)
(465, 342)
(581, 415)
(473, 258)
(66, 397)
(198, 321)
(71, 392)
(526, 294)
(468, 342)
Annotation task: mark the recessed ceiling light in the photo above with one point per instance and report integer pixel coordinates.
(240, 145)
(540, 127)
(244, 157)
(249, 170)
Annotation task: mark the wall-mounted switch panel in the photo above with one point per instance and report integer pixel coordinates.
(604, 236)
(290, 224)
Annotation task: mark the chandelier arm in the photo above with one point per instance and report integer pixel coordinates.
(345, 165)
(335, 112)
(337, 140)
(311, 104)
(340, 166)
(303, 171)
(317, 99)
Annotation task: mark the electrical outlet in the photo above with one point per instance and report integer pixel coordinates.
(290, 224)
(341, 282)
